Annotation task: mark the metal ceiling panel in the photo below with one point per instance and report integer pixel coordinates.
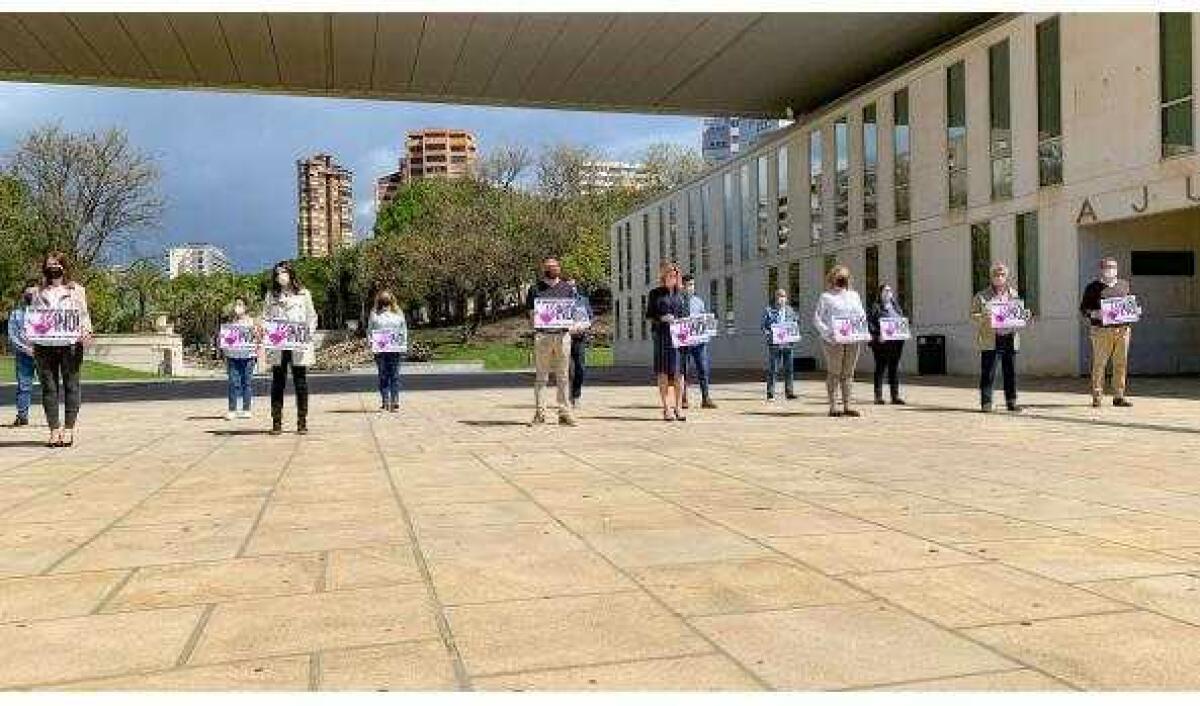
(486, 42)
(353, 48)
(206, 48)
(155, 39)
(396, 51)
(301, 47)
(253, 53)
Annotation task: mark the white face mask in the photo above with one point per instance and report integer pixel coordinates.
(1109, 274)
(780, 302)
(239, 309)
(283, 278)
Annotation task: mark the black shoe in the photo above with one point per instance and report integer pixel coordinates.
(834, 413)
(770, 398)
(879, 400)
(897, 400)
(685, 404)
(708, 404)
(276, 428)
(301, 427)
(1122, 402)
(985, 407)
(395, 408)
(21, 422)
(851, 413)
(1015, 408)
(791, 396)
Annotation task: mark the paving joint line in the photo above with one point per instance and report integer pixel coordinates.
(266, 501)
(314, 671)
(838, 579)
(629, 577)
(138, 505)
(189, 647)
(602, 663)
(441, 619)
(112, 592)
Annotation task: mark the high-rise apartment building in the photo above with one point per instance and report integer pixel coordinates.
(724, 138)
(434, 152)
(326, 200)
(196, 259)
(602, 176)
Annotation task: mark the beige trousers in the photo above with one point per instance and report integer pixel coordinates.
(552, 354)
(840, 361)
(1110, 342)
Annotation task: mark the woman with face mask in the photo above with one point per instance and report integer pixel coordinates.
(887, 353)
(288, 300)
(995, 345)
(838, 301)
(59, 365)
(239, 367)
(386, 315)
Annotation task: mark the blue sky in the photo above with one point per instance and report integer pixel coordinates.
(229, 160)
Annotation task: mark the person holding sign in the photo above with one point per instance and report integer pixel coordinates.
(289, 321)
(887, 341)
(842, 323)
(552, 301)
(664, 305)
(58, 326)
(23, 363)
(998, 313)
(1110, 309)
(782, 331)
(386, 318)
(239, 343)
(697, 352)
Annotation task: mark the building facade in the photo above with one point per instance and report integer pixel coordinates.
(724, 138)
(197, 259)
(1042, 141)
(601, 176)
(439, 152)
(325, 220)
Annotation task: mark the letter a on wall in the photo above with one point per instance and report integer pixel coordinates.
(1086, 211)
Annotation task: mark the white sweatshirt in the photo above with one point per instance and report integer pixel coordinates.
(835, 304)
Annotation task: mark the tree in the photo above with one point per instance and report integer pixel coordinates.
(90, 193)
(504, 165)
(144, 281)
(18, 246)
(670, 165)
(561, 170)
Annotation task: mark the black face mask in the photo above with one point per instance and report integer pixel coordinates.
(550, 274)
(52, 273)
(841, 282)
(27, 297)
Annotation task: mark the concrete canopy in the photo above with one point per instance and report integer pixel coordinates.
(692, 63)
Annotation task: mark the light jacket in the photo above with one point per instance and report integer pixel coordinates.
(298, 308)
(386, 319)
(985, 335)
(832, 305)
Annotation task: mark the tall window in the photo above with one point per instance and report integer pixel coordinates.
(693, 207)
(619, 247)
(662, 238)
(1175, 82)
(826, 265)
(747, 196)
(646, 247)
(1028, 277)
(794, 283)
(628, 255)
(714, 299)
(673, 230)
(782, 227)
(870, 138)
(956, 132)
(772, 283)
(731, 217)
(705, 200)
(816, 190)
(841, 206)
(903, 150)
(643, 316)
(617, 318)
(1049, 91)
(904, 276)
(629, 318)
(871, 274)
(730, 316)
(763, 214)
(981, 255)
(1000, 120)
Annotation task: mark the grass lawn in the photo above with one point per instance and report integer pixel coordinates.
(506, 356)
(91, 371)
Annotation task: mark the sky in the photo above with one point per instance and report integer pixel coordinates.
(228, 160)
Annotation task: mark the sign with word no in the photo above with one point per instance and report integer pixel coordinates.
(53, 326)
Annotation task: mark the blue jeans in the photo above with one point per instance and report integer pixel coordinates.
(779, 357)
(25, 372)
(241, 382)
(388, 365)
(1004, 351)
(698, 354)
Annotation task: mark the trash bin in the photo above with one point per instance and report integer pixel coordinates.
(931, 354)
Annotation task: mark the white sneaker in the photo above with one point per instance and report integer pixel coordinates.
(245, 414)
(230, 416)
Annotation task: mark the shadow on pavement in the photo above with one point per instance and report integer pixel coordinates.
(21, 444)
(493, 423)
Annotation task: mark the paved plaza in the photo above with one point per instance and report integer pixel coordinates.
(757, 546)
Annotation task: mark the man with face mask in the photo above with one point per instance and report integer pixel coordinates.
(995, 345)
(779, 356)
(699, 352)
(22, 350)
(552, 347)
(1108, 342)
